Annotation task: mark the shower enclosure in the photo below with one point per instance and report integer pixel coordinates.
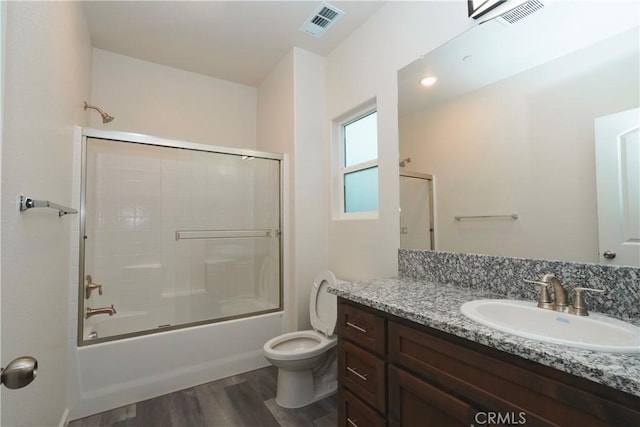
(416, 211)
(175, 235)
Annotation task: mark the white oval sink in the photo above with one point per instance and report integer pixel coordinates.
(595, 332)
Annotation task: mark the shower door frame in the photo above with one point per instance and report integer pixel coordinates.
(432, 212)
(141, 139)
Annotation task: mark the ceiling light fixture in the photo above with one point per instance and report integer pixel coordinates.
(428, 81)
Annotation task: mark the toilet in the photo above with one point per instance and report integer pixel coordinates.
(306, 360)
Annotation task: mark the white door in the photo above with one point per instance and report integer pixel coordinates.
(416, 223)
(618, 185)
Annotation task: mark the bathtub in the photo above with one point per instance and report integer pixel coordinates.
(113, 325)
(133, 321)
(109, 375)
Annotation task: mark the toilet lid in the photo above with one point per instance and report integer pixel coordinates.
(323, 306)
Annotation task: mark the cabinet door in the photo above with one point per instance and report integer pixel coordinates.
(353, 413)
(413, 402)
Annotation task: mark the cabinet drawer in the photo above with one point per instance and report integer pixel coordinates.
(353, 413)
(363, 374)
(362, 327)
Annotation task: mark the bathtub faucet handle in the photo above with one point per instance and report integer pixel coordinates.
(91, 286)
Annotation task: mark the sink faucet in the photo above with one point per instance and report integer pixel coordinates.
(559, 293)
(104, 310)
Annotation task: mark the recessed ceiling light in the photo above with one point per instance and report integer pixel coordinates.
(428, 81)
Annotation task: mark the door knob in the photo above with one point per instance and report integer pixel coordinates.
(609, 254)
(19, 372)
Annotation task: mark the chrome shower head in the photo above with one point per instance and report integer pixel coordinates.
(403, 162)
(105, 117)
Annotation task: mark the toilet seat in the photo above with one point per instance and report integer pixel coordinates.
(298, 345)
(323, 313)
(323, 306)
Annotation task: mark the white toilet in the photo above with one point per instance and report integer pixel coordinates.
(306, 360)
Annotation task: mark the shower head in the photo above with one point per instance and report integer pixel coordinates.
(105, 117)
(403, 162)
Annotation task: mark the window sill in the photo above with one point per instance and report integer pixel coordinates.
(356, 216)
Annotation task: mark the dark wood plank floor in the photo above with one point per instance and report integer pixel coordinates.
(242, 400)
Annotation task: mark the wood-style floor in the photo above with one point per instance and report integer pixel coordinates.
(243, 400)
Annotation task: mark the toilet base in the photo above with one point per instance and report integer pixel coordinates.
(299, 388)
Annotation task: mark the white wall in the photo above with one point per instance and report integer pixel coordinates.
(291, 120)
(154, 99)
(362, 68)
(48, 59)
(275, 133)
(310, 191)
(526, 146)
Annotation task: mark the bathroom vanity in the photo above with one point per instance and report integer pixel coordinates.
(408, 357)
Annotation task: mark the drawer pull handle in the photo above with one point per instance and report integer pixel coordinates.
(363, 377)
(352, 422)
(356, 327)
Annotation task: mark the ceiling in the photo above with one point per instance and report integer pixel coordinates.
(238, 41)
(495, 50)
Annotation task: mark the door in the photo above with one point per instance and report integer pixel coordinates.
(617, 139)
(416, 211)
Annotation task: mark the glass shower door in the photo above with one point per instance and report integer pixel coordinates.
(176, 237)
(416, 211)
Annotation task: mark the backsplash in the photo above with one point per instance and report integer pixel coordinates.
(503, 276)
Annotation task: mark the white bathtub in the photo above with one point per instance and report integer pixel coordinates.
(113, 325)
(108, 375)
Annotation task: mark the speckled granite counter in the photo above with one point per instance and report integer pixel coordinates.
(438, 306)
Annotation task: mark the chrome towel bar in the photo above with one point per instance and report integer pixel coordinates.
(222, 234)
(28, 203)
(506, 216)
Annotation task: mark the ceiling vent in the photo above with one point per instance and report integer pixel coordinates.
(321, 19)
(517, 13)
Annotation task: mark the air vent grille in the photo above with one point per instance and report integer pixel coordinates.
(522, 11)
(321, 19)
(328, 13)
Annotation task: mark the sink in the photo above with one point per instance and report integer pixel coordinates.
(595, 332)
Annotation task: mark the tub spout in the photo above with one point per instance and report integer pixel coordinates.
(104, 310)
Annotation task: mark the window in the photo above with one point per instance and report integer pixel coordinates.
(357, 190)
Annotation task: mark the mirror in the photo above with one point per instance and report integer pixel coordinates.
(507, 130)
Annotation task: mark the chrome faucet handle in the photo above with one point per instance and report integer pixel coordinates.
(578, 307)
(544, 301)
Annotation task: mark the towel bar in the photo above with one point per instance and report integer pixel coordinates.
(28, 203)
(506, 216)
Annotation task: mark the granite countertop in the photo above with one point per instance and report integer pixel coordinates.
(438, 306)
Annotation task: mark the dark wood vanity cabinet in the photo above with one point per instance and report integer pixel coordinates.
(398, 373)
(414, 402)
